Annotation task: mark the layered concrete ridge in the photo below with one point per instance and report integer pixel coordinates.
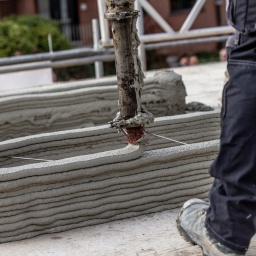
(81, 189)
(83, 104)
(188, 128)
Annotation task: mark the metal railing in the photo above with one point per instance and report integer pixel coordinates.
(102, 49)
(169, 38)
(60, 59)
(169, 34)
(79, 35)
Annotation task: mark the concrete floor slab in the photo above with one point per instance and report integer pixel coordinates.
(204, 82)
(148, 235)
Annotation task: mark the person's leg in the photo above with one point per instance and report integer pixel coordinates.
(227, 224)
(231, 217)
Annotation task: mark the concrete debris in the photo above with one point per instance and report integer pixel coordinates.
(198, 106)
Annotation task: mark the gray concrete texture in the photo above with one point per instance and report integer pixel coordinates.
(92, 177)
(148, 235)
(189, 128)
(73, 104)
(83, 189)
(83, 104)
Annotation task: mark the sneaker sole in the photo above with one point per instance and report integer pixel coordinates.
(183, 233)
(187, 238)
(180, 229)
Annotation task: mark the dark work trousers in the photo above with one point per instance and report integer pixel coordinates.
(231, 219)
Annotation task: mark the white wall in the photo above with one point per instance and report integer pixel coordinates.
(23, 79)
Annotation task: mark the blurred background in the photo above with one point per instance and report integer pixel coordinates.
(173, 33)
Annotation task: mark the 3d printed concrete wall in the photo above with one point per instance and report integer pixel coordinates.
(91, 185)
(83, 104)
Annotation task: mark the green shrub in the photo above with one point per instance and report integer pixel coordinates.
(29, 34)
(75, 73)
(205, 57)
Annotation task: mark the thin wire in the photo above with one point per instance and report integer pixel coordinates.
(44, 160)
(27, 158)
(167, 138)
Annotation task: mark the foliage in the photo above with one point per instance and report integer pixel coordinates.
(155, 60)
(29, 34)
(205, 57)
(75, 73)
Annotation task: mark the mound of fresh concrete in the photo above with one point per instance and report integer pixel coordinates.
(90, 180)
(83, 104)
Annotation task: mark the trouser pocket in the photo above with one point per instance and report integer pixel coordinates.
(241, 15)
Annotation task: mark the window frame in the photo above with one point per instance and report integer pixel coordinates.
(182, 8)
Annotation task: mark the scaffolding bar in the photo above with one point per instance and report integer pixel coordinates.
(56, 64)
(154, 46)
(192, 16)
(53, 56)
(156, 16)
(104, 26)
(196, 33)
(99, 70)
(140, 26)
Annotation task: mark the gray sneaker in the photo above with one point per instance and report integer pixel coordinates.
(191, 226)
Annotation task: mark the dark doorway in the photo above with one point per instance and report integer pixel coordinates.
(178, 5)
(65, 11)
(55, 9)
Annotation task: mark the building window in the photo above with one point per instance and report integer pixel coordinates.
(65, 11)
(178, 5)
(43, 8)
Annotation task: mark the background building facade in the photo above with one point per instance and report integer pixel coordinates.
(75, 17)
